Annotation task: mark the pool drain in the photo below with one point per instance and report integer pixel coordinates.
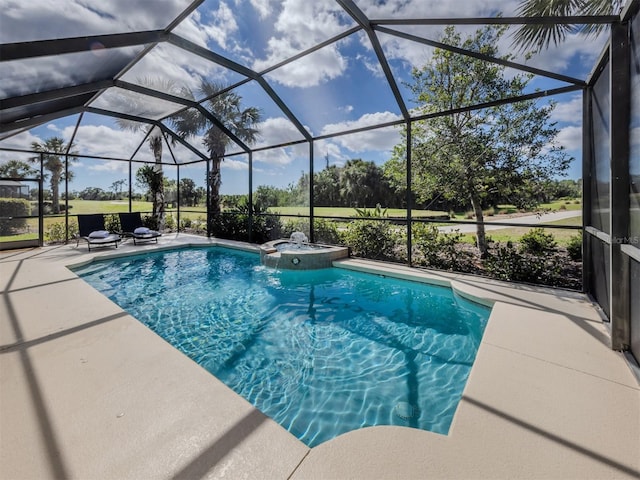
(405, 410)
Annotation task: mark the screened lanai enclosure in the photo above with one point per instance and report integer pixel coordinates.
(491, 139)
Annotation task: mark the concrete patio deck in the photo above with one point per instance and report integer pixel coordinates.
(88, 392)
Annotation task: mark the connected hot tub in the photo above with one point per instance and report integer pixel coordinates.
(297, 253)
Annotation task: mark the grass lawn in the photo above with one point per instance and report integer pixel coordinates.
(513, 234)
(569, 204)
(199, 213)
(107, 206)
(555, 206)
(22, 236)
(350, 212)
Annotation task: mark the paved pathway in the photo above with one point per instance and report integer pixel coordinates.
(526, 220)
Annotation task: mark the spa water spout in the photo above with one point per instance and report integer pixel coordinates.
(298, 238)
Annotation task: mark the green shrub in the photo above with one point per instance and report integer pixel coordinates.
(376, 212)
(185, 223)
(536, 241)
(265, 228)
(574, 248)
(326, 231)
(506, 262)
(150, 221)
(371, 239)
(296, 225)
(441, 250)
(169, 222)
(200, 224)
(55, 232)
(235, 225)
(112, 222)
(13, 207)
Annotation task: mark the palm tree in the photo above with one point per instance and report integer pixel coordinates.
(539, 37)
(17, 169)
(224, 106)
(155, 139)
(52, 150)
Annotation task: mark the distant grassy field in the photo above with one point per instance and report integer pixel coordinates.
(555, 206)
(101, 206)
(350, 212)
(194, 213)
(512, 234)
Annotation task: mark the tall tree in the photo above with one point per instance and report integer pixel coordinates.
(472, 154)
(154, 138)
(362, 184)
(540, 36)
(326, 187)
(188, 192)
(226, 107)
(147, 177)
(53, 150)
(117, 186)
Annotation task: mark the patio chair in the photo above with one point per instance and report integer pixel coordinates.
(92, 230)
(132, 226)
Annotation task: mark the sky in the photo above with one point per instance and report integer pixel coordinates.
(338, 87)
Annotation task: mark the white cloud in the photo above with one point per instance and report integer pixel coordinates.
(302, 24)
(28, 76)
(110, 166)
(379, 139)
(219, 26)
(366, 120)
(232, 164)
(417, 54)
(558, 59)
(21, 141)
(570, 138)
(576, 49)
(222, 26)
(328, 149)
(276, 131)
(309, 71)
(172, 64)
(191, 29)
(279, 157)
(104, 141)
(436, 8)
(371, 64)
(44, 19)
(569, 111)
(262, 7)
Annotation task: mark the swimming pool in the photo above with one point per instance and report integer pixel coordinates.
(322, 352)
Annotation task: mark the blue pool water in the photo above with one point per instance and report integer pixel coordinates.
(322, 352)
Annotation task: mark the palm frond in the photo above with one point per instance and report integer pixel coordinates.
(534, 38)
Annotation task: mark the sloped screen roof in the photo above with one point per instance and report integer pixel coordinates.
(313, 69)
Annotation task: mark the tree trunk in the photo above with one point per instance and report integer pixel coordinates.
(481, 239)
(55, 193)
(155, 141)
(215, 181)
(158, 198)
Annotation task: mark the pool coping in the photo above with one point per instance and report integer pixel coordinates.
(87, 391)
